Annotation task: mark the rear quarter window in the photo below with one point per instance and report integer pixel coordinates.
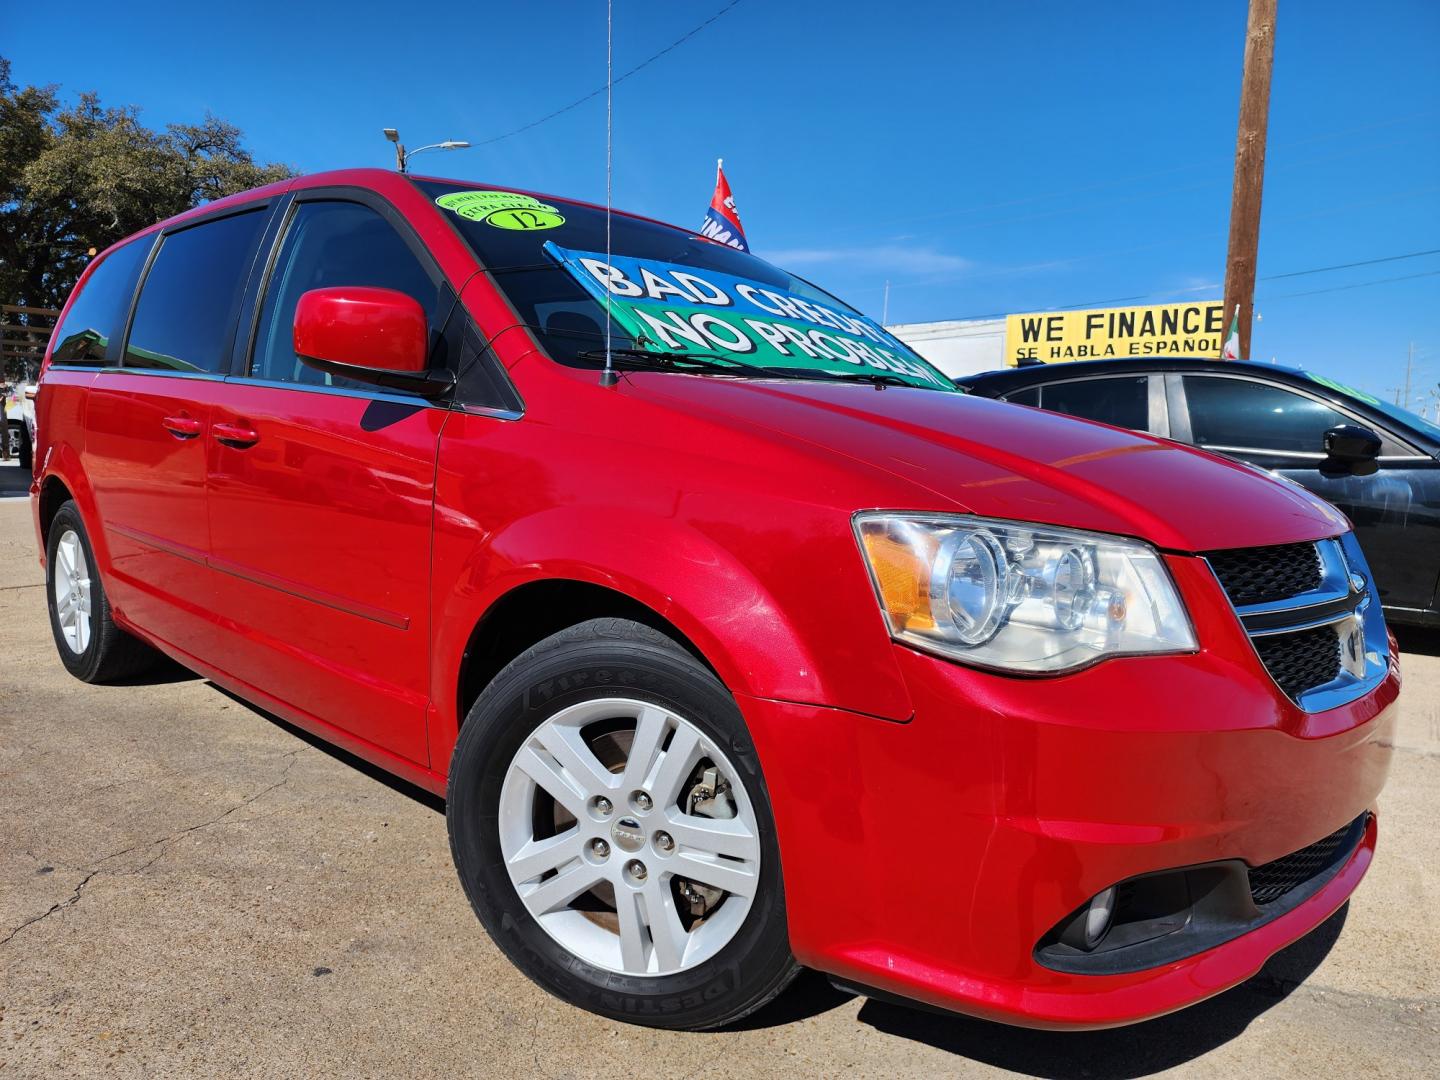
(1122, 401)
(90, 331)
(1030, 395)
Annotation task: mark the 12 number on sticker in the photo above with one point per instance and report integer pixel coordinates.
(524, 220)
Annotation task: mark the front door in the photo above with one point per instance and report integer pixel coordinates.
(321, 500)
(1395, 510)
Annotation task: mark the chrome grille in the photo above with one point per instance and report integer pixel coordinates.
(1312, 616)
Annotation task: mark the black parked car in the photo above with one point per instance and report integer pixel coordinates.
(1378, 463)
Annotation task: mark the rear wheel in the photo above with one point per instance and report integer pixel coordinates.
(612, 830)
(91, 646)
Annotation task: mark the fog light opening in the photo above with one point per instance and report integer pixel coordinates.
(1098, 916)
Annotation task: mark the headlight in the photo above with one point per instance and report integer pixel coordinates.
(1020, 597)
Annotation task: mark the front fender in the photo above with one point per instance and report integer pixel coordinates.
(705, 590)
(675, 571)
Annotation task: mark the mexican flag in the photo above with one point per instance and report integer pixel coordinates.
(1231, 349)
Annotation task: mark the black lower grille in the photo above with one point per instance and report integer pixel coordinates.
(1263, 575)
(1302, 660)
(1270, 882)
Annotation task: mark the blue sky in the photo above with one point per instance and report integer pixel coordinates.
(982, 157)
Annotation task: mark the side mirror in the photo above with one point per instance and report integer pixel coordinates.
(1350, 450)
(377, 336)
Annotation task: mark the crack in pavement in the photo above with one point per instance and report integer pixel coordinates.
(1278, 987)
(1417, 751)
(163, 842)
(113, 785)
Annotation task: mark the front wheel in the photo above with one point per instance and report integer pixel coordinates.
(611, 828)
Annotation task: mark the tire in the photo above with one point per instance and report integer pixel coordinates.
(27, 450)
(599, 668)
(91, 646)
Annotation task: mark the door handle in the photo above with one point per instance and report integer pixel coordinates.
(182, 427)
(235, 435)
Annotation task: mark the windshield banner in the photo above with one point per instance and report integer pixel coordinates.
(667, 307)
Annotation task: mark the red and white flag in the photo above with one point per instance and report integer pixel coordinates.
(722, 220)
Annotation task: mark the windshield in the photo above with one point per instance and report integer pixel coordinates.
(668, 291)
(1393, 412)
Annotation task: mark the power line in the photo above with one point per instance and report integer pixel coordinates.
(1169, 241)
(1267, 299)
(1347, 266)
(1315, 270)
(610, 84)
(1357, 285)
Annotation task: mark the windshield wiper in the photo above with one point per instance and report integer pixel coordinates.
(877, 379)
(715, 364)
(643, 360)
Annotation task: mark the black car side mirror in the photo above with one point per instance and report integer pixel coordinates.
(1350, 450)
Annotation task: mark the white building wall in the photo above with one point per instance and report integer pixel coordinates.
(958, 347)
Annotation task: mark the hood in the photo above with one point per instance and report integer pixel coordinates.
(975, 455)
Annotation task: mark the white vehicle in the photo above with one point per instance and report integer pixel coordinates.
(20, 421)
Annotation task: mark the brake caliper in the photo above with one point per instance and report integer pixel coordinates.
(709, 796)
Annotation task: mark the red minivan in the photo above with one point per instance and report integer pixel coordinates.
(736, 638)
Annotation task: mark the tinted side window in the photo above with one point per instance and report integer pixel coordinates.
(1241, 413)
(186, 315)
(90, 331)
(329, 244)
(1124, 402)
(1028, 396)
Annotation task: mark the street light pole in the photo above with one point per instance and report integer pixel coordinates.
(1409, 366)
(1250, 166)
(394, 137)
(403, 156)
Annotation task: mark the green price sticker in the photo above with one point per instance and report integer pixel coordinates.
(502, 209)
(1342, 388)
(524, 220)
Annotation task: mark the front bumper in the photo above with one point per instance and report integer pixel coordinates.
(928, 859)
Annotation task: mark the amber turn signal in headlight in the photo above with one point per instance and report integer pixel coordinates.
(1017, 596)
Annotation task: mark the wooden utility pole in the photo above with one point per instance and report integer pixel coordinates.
(1250, 167)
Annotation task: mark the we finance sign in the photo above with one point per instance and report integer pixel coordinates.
(667, 307)
(1195, 329)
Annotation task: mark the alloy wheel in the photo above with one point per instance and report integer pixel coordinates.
(629, 837)
(72, 592)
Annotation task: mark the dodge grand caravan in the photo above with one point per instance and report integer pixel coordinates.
(736, 638)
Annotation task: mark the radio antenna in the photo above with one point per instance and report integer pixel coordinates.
(608, 378)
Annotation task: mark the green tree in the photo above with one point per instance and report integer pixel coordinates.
(83, 176)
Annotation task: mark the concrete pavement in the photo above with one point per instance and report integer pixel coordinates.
(190, 888)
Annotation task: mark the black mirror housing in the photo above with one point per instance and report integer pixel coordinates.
(1350, 450)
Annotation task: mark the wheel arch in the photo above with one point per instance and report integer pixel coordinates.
(656, 571)
(54, 493)
(62, 478)
(530, 612)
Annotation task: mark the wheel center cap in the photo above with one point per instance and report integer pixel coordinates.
(627, 834)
